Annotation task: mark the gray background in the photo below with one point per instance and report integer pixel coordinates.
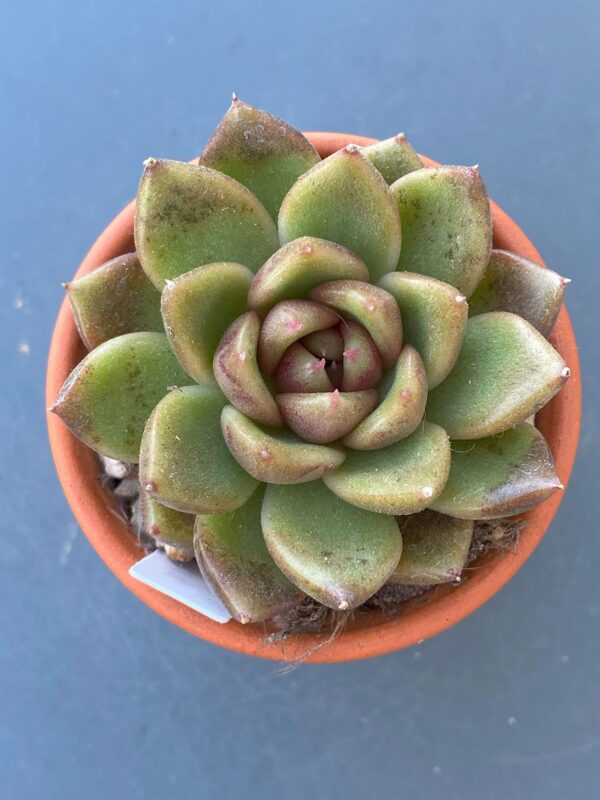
(99, 697)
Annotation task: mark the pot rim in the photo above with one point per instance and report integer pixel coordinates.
(370, 634)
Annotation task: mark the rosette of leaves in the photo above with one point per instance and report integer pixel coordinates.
(322, 367)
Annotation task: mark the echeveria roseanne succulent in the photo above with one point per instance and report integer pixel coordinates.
(314, 362)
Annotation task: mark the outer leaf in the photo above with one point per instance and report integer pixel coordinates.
(401, 409)
(235, 562)
(403, 478)
(498, 476)
(261, 151)
(300, 371)
(393, 157)
(505, 372)
(344, 199)
(434, 316)
(446, 224)
(298, 267)
(236, 371)
(338, 554)
(276, 456)
(188, 215)
(197, 309)
(167, 526)
(513, 283)
(324, 417)
(114, 299)
(108, 397)
(184, 462)
(434, 549)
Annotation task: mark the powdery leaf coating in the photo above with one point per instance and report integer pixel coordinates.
(108, 397)
(403, 478)
(261, 151)
(184, 462)
(276, 456)
(401, 409)
(324, 417)
(361, 359)
(166, 525)
(446, 224)
(235, 562)
(434, 549)
(188, 215)
(513, 283)
(374, 308)
(198, 307)
(434, 317)
(328, 344)
(393, 157)
(236, 371)
(298, 267)
(344, 199)
(505, 372)
(498, 476)
(301, 371)
(336, 553)
(114, 299)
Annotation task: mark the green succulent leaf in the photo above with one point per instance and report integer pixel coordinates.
(434, 549)
(261, 151)
(513, 283)
(324, 417)
(434, 317)
(393, 157)
(236, 371)
(301, 371)
(361, 359)
(114, 299)
(498, 476)
(108, 397)
(235, 562)
(403, 478)
(344, 199)
(401, 409)
(298, 267)
(336, 553)
(374, 308)
(166, 525)
(276, 456)
(197, 309)
(446, 225)
(505, 372)
(328, 344)
(184, 462)
(188, 215)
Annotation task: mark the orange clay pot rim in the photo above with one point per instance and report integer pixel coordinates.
(370, 634)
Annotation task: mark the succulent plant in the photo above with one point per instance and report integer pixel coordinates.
(314, 361)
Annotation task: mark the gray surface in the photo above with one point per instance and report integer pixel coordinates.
(102, 699)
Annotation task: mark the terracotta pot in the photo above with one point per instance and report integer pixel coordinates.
(371, 634)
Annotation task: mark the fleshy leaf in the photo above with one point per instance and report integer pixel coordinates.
(188, 215)
(374, 308)
(275, 456)
(287, 322)
(108, 397)
(261, 151)
(505, 372)
(446, 224)
(184, 462)
(114, 299)
(198, 307)
(166, 525)
(235, 562)
(323, 417)
(236, 371)
(434, 316)
(361, 359)
(336, 553)
(403, 478)
(498, 476)
(300, 371)
(434, 549)
(327, 344)
(344, 199)
(393, 157)
(401, 409)
(513, 283)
